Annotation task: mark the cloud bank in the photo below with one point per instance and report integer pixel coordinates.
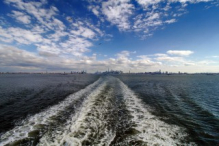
(44, 38)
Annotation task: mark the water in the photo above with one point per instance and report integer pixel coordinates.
(23, 95)
(120, 110)
(189, 101)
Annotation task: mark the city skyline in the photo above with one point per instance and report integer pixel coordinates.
(92, 35)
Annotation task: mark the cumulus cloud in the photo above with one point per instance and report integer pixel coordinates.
(84, 32)
(13, 57)
(160, 55)
(21, 17)
(144, 17)
(123, 54)
(94, 9)
(48, 50)
(49, 34)
(67, 41)
(118, 12)
(36, 10)
(175, 58)
(19, 35)
(170, 21)
(180, 52)
(124, 61)
(170, 59)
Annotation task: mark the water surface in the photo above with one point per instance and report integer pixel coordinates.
(190, 101)
(120, 110)
(23, 95)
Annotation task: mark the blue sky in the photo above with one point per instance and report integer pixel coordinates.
(94, 35)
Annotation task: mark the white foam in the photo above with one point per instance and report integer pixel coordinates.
(89, 120)
(43, 118)
(80, 129)
(150, 129)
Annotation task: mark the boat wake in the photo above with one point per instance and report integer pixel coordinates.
(106, 112)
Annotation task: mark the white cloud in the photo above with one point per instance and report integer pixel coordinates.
(154, 14)
(94, 9)
(11, 56)
(170, 21)
(49, 34)
(170, 59)
(123, 54)
(76, 42)
(190, 1)
(118, 12)
(67, 44)
(176, 58)
(35, 9)
(21, 17)
(123, 61)
(160, 55)
(38, 29)
(58, 23)
(189, 64)
(48, 50)
(57, 35)
(19, 35)
(146, 3)
(75, 46)
(14, 59)
(180, 52)
(84, 32)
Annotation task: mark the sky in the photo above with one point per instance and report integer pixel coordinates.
(94, 35)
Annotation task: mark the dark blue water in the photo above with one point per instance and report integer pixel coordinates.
(22, 95)
(121, 110)
(191, 101)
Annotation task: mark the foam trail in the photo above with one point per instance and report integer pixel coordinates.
(35, 126)
(148, 129)
(98, 121)
(91, 125)
(105, 113)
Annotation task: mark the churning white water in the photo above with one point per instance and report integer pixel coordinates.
(106, 112)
